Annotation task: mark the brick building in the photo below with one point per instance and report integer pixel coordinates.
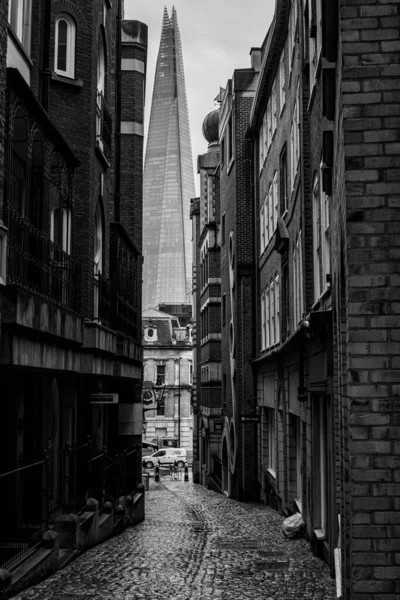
(293, 359)
(208, 301)
(310, 238)
(71, 256)
(326, 377)
(167, 377)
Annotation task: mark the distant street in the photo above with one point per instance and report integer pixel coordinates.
(194, 544)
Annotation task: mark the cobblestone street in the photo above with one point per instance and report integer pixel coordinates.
(194, 544)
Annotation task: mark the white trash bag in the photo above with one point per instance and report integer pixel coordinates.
(293, 526)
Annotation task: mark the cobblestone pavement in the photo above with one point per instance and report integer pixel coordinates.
(194, 544)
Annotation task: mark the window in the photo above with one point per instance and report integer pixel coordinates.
(150, 333)
(269, 123)
(223, 229)
(60, 232)
(64, 57)
(223, 151)
(270, 314)
(315, 45)
(298, 281)
(271, 440)
(160, 400)
(190, 373)
(292, 31)
(160, 374)
(224, 310)
(230, 141)
(265, 133)
(19, 17)
(98, 257)
(283, 184)
(269, 213)
(295, 139)
(275, 196)
(320, 237)
(262, 228)
(282, 81)
(260, 149)
(274, 108)
(101, 75)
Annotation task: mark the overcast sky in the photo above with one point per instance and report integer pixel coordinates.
(216, 39)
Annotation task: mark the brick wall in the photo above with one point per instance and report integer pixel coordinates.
(3, 53)
(367, 249)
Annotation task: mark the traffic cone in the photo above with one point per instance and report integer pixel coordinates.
(157, 473)
(186, 472)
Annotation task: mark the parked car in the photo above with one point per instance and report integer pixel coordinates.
(166, 456)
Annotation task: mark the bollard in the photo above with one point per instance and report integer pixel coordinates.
(157, 473)
(186, 472)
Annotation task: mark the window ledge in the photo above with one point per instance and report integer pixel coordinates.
(67, 80)
(101, 155)
(320, 534)
(18, 43)
(325, 294)
(299, 505)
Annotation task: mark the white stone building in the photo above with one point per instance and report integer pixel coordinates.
(167, 381)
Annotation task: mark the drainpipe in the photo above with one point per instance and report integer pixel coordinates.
(117, 141)
(45, 71)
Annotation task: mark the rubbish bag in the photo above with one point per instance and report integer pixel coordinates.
(293, 526)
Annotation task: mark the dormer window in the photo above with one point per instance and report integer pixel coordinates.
(64, 57)
(150, 333)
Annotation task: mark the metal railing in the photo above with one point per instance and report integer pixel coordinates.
(32, 496)
(38, 264)
(25, 502)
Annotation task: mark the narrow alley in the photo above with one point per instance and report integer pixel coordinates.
(194, 544)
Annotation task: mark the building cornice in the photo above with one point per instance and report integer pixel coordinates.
(269, 63)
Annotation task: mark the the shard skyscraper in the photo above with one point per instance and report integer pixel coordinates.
(168, 179)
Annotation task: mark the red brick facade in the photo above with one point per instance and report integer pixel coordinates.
(71, 144)
(309, 181)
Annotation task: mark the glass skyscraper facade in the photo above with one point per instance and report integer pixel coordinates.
(168, 179)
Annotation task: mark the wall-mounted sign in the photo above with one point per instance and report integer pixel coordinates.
(249, 419)
(103, 398)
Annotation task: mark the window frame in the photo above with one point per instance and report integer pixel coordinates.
(69, 70)
(282, 82)
(270, 313)
(298, 283)
(20, 20)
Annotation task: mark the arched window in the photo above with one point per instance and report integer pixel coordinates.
(98, 240)
(64, 56)
(98, 258)
(60, 232)
(101, 76)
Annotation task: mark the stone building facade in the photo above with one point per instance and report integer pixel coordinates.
(71, 260)
(167, 379)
